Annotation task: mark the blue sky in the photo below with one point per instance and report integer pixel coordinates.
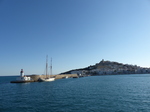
(75, 33)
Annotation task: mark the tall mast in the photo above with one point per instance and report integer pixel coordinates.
(51, 67)
(46, 65)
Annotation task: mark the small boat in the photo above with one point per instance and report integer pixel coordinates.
(67, 77)
(47, 79)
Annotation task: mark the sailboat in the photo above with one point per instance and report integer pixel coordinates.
(47, 79)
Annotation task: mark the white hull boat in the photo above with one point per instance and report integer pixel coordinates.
(47, 79)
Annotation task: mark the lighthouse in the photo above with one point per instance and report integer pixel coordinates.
(22, 78)
(21, 73)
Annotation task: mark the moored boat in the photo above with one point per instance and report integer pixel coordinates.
(47, 79)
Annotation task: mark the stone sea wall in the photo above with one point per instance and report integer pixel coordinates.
(36, 77)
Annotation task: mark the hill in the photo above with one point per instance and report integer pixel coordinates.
(109, 68)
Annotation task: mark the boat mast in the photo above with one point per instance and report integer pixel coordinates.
(51, 67)
(46, 65)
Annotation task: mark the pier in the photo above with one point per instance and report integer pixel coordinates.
(35, 78)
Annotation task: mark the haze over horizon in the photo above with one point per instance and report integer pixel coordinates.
(75, 33)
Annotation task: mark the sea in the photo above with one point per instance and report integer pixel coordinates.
(107, 93)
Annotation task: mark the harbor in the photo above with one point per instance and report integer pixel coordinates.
(35, 78)
(42, 78)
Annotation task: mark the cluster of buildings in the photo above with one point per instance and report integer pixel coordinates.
(111, 68)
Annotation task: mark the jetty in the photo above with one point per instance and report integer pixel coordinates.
(35, 78)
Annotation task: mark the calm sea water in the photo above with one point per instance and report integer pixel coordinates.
(112, 93)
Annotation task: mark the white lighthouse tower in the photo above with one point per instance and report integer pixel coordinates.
(23, 77)
(21, 73)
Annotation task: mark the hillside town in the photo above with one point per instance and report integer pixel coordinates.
(110, 68)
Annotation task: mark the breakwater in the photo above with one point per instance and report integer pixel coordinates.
(36, 77)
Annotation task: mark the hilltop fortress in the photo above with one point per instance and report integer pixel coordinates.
(110, 68)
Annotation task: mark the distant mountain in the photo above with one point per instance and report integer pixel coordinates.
(109, 68)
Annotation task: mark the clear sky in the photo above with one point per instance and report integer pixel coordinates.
(75, 33)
